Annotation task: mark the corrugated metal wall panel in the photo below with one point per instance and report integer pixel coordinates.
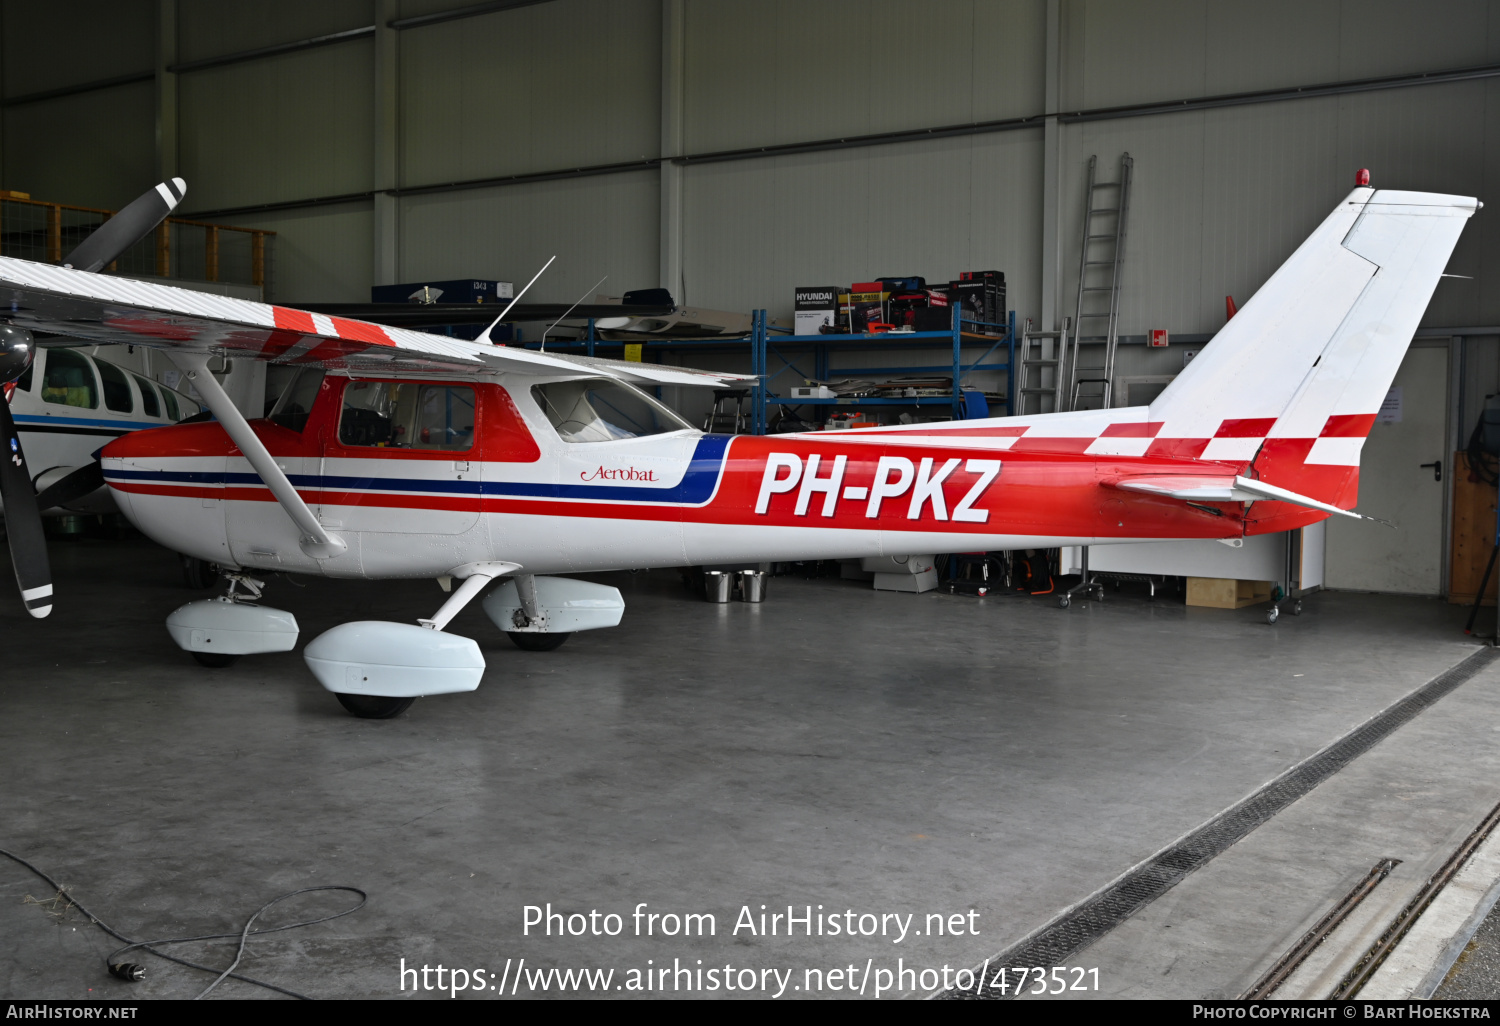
(1223, 196)
(595, 226)
(49, 46)
(285, 128)
(555, 85)
(212, 28)
(1154, 50)
(758, 229)
(318, 256)
(91, 149)
(776, 71)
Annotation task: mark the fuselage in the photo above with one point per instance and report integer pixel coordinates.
(511, 482)
(70, 403)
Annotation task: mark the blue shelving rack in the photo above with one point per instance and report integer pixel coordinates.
(955, 339)
(964, 334)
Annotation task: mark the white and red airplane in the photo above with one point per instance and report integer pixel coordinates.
(399, 454)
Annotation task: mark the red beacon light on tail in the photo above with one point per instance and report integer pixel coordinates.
(1362, 177)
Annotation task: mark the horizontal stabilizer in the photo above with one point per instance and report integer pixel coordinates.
(1224, 488)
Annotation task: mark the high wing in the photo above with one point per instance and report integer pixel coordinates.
(414, 315)
(108, 309)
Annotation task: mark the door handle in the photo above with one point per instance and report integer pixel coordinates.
(1437, 469)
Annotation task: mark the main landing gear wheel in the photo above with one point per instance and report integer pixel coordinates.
(215, 660)
(533, 642)
(374, 707)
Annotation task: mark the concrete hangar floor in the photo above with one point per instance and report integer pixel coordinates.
(979, 766)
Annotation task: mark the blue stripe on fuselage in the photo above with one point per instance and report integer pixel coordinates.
(696, 486)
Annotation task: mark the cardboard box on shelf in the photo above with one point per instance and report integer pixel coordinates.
(982, 295)
(867, 305)
(813, 307)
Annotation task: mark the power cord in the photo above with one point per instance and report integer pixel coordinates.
(132, 971)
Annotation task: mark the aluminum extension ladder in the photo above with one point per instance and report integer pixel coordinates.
(1034, 359)
(1099, 287)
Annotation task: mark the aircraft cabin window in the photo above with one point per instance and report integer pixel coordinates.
(169, 397)
(408, 415)
(149, 405)
(296, 402)
(601, 410)
(117, 395)
(69, 380)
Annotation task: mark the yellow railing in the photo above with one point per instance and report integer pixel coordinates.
(45, 231)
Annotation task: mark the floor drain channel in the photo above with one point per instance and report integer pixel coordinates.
(1278, 973)
(1096, 916)
(1360, 975)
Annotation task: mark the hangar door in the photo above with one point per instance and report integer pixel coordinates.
(1395, 485)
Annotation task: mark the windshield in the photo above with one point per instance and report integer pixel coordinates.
(603, 410)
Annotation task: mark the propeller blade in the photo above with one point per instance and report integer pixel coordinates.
(76, 485)
(128, 227)
(23, 521)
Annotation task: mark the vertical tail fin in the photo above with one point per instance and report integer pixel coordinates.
(1294, 381)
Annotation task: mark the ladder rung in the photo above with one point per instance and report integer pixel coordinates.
(1104, 210)
(1092, 315)
(1099, 288)
(1110, 236)
(1096, 263)
(1105, 185)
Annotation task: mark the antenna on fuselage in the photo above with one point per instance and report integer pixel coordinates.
(486, 333)
(570, 309)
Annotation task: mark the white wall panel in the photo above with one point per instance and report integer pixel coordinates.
(52, 45)
(320, 255)
(212, 28)
(94, 149)
(594, 226)
(763, 72)
(555, 85)
(757, 229)
(285, 128)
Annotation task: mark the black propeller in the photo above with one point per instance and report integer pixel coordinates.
(23, 520)
(128, 227)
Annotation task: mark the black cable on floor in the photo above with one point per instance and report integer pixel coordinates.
(244, 934)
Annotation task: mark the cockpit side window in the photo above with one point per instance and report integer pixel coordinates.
(292, 409)
(603, 410)
(69, 380)
(408, 415)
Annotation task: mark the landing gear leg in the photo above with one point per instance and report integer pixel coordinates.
(530, 613)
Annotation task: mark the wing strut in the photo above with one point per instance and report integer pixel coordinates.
(315, 541)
